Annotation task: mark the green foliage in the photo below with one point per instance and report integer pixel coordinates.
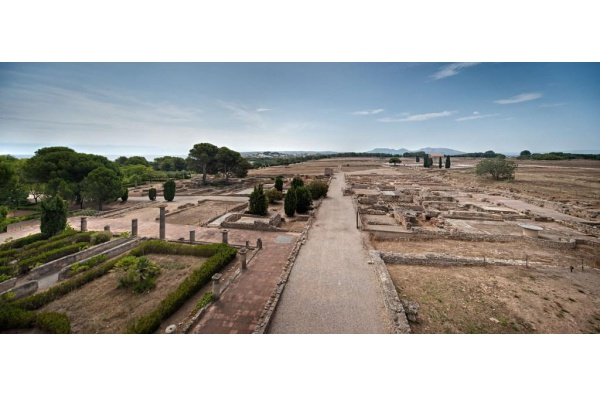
(273, 195)
(202, 159)
(152, 193)
(102, 185)
(26, 265)
(53, 322)
(162, 247)
(297, 182)
(100, 237)
(206, 299)
(139, 274)
(440, 162)
(279, 183)
(447, 164)
(3, 212)
(258, 201)
(189, 287)
(169, 190)
(54, 216)
(498, 168)
(303, 200)
(124, 195)
(417, 159)
(317, 189)
(525, 154)
(395, 161)
(289, 203)
(79, 267)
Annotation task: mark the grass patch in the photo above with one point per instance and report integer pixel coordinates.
(207, 298)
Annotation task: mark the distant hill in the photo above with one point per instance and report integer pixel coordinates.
(401, 151)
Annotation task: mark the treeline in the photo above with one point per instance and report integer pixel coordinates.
(486, 154)
(557, 156)
(262, 162)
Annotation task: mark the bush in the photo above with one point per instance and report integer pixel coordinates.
(27, 264)
(79, 267)
(205, 301)
(139, 274)
(54, 216)
(23, 241)
(100, 237)
(297, 182)
(125, 195)
(289, 203)
(303, 200)
(279, 183)
(3, 212)
(258, 201)
(274, 195)
(498, 168)
(318, 189)
(169, 190)
(53, 322)
(152, 193)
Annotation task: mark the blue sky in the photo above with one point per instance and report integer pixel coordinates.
(165, 108)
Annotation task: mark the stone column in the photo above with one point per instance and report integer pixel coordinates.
(192, 236)
(216, 285)
(134, 227)
(224, 233)
(107, 228)
(162, 232)
(247, 243)
(243, 252)
(259, 244)
(84, 224)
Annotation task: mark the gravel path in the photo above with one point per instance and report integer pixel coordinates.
(332, 288)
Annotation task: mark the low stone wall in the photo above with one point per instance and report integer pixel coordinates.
(8, 284)
(116, 250)
(23, 290)
(275, 220)
(257, 225)
(114, 213)
(472, 215)
(21, 225)
(49, 267)
(445, 260)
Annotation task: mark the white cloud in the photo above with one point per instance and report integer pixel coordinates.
(523, 97)
(418, 117)
(475, 116)
(451, 69)
(552, 105)
(368, 112)
(263, 109)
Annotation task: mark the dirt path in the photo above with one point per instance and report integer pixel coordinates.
(331, 288)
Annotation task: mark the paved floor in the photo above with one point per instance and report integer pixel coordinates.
(332, 288)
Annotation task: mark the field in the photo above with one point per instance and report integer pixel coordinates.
(317, 167)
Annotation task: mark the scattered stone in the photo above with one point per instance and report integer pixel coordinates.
(494, 320)
(412, 310)
(171, 329)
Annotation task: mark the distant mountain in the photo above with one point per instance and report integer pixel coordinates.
(428, 150)
(389, 151)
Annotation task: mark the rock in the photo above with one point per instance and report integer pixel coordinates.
(412, 310)
(494, 320)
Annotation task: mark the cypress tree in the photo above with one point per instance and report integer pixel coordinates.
(152, 193)
(279, 183)
(289, 203)
(447, 162)
(258, 201)
(169, 190)
(440, 163)
(303, 200)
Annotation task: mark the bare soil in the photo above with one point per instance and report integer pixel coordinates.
(317, 167)
(500, 299)
(102, 307)
(202, 213)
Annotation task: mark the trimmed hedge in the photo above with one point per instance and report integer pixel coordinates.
(100, 237)
(79, 267)
(26, 265)
(150, 322)
(23, 241)
(162, 247)
(14, 318)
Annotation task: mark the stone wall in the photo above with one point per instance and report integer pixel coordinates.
(8, 284)
(444, 260)
(23, 290)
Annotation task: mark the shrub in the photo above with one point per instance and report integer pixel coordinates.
(318, 189)
(125, 195)
(3, 212)
(289, 203)
(100, 237)
(23, 241)
(53, 322)
(258, 201)
(139, 274)
(79, 267)
(205, 301)
(274, 195)
(498, 168)
(27, 264)
(279, 183)
(303, 200)
(152, 193)
(54, 216)
(169, 190)
(297, 182)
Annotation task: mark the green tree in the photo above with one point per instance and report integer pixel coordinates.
(447, 162)
(102, 185)
(202, 159)
(526, 154)
(152, 194)
(240, 170)
(124, 194)
(297, 182)
(417, 159)
(395, 161)
(258, 201)
(169, 190)
(317, 189)
(440, 162)
(498, 168)
(303, 200)
(54, 216)
(273, 195)
(279, 183)
(289, 203)
(227, 160)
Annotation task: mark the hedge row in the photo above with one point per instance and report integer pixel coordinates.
(49, 321)
(27, 264)
(38, 300)
(162, 247)
(54, 245)
(224, 254)
(79, 267)
(23, 241)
